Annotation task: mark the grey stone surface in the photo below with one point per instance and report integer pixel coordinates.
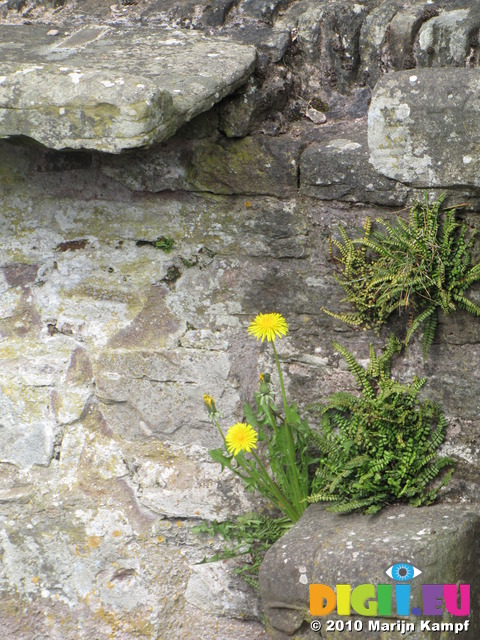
(325, 548)
(74, 567)
(397, 49)
(262, 9)
(450, 39)
(327, 34)
(338, 168)
(273, 43)
(417, 124)
(111, 90)
(416, 127)
(215, 12)
(372, 38)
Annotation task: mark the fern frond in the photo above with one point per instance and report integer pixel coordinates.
(429, 311)
(348, 318)
(429, 330)
(467, 305)
(357, 370)
(381, 446)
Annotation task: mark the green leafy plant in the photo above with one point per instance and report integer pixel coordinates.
(379, 447)
(422, 266)
(164, 243)
(248, 536)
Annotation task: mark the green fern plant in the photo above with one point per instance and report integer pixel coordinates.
(422, 266)
(379, 447)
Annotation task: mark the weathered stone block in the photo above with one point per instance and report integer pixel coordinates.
(449, 38)
(325, 548)
(424, 127)
(338, 168)
(259, 164)
(373, 35)
(215, 12)
(400, 36)
(132, 386)
(262, 9)
(271, 43)
(112, 90)
(251, 165)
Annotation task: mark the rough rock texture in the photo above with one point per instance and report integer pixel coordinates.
(330, 549)
(339, 168)
(108, 345)
(450, 39)
(417, 124)
(112, 90)
(108, 342)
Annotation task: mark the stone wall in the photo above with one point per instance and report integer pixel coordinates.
(108, 343)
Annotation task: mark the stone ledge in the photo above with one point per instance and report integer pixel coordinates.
(325, 548)
(107, 89)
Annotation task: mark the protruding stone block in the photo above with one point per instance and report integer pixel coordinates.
(109, 90)
(424, 127)
(330, 549)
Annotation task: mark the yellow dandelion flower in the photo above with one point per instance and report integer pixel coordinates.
(208, 400)
(241, 437)
(261, 377)
(269, 326)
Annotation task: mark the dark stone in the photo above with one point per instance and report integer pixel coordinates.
(327, 36)
(15, 5)
(271, 42)
(240, 115)
(338, 168)
(450, 39)
(372, 39)
(400, 35)
(215, 12)
(251, 165)
(324, 548)
(263, 9)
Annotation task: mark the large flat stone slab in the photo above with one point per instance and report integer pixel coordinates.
(424, 127)
(107, 89)
(331, 549)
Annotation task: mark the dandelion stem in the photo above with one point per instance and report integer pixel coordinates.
(292, 471)
(220, 431)
(284, 503)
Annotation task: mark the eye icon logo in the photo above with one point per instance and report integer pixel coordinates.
(402, 572)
